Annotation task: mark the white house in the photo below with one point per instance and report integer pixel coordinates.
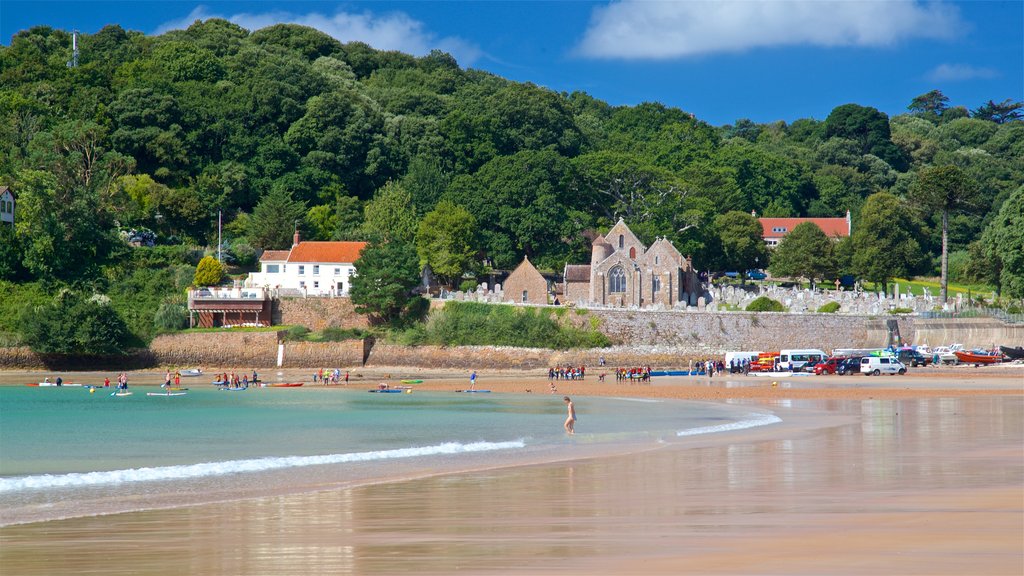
(312, 268)
(6, 206)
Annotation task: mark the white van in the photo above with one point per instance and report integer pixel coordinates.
(796, 360)
(875, 365)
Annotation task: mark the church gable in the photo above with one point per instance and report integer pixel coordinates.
(662, 254)
(623, 240)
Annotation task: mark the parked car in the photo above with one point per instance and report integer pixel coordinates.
(849, 366)
(913, 357)
(829, 366)
(876, 365)
(756, 274)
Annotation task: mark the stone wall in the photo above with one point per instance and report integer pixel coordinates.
(971, 332)
(216, 349)
(323, 354)
(319, 313)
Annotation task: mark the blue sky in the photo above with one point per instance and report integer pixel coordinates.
(763, 60)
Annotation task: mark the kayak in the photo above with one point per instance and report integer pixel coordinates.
(475, 391)
(287, 385)
(68, 384)
(412, 381)
(386, 391)
(121, 394)
(165, 393)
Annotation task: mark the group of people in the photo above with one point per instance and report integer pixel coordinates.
(167, 380)
(237, 381)
(711, 367)
(739, 366)
(567, 372)
(639, 374)
(332, 377)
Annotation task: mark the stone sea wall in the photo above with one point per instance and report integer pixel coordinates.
(319, 313)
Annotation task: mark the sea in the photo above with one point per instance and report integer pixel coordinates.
(71, 452)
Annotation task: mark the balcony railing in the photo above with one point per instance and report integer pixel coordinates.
(251, 294)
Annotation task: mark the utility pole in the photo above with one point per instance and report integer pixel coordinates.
(73, 63)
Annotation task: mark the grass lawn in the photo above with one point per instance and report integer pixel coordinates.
(917, 287)
(237, 329)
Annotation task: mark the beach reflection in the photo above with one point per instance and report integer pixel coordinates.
(563, 517)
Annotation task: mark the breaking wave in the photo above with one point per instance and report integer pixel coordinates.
(753, 421)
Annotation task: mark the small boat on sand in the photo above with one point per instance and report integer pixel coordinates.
(977, 357)
(286, 385)
(191, 372)
(1013, 353)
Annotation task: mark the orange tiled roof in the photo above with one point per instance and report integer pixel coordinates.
(341, 252)
(274, 256)
(832, 227)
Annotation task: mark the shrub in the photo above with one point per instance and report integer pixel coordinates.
(170, 317)
(468, 285)
(829, 308)
(901, 311)
(765, 304)
(209, 272)
(335, 334)
(296, 333)
(74, 325)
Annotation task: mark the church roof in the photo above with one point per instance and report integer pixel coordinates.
(577, 273)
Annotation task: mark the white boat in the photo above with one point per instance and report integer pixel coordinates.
(946, 354)
(191, 372)
(773, 374)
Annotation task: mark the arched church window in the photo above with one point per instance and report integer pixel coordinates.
(622, 241)
(632, 252)
(655, 283)
(616, 280)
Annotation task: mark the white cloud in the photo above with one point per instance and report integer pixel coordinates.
(392, 31)
(638, 29)
(958, 72)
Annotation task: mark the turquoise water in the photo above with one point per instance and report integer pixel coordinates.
(67, 452)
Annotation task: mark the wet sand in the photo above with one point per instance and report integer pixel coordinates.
(918, 474)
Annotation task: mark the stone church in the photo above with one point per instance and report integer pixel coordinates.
(623, 272)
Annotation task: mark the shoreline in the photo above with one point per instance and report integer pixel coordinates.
(920, 473)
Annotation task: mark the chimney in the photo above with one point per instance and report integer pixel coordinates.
(295, 239)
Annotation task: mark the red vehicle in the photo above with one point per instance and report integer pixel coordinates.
(830, 366)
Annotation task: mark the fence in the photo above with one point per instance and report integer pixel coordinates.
(977, 312)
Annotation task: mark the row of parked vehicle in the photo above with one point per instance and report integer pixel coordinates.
(872, 365)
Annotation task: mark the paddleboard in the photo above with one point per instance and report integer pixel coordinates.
(239, 389)
(122, 393)
(772, 374)
(475, 391)
(166, 393)
(388, 391)
(412, 381)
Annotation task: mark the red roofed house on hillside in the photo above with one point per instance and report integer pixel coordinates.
(311, 268)
(773, 230)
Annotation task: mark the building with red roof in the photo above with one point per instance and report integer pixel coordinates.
(311, 268)
(773, 230)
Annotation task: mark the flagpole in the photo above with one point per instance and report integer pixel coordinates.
(219, 243)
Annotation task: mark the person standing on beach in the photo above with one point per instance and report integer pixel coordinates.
(472, 380)
(570, 421)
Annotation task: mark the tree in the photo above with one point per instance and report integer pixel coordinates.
(390, 214)
(883, 243)
(74, 325)
(1003, 240)
(446, 241)
(945, 189)
(386, 273)
(10, 254)
(742, 241)
(806, 252)
(274, 220)
(930, 105)
(869, 128)
(1001, 113)
(209, 272)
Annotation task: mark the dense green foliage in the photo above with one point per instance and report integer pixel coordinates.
(475, 324)
(209, 272)
(806, 252)
(765, 304)
(286, 127)
(386, 273)
(74, 324)
(829, 308)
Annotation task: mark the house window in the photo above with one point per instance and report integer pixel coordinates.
(655, 284)
(337, 271)
(316, 284)
(616, 280)
(526, 297)
(779, 229)
(273, 268)
(316, 270)
(302, 284)
(302, 270)
(622, 241)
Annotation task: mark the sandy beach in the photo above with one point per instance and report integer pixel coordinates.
(917, 474)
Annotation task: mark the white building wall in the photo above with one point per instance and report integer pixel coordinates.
(311, 278)
(7, 208)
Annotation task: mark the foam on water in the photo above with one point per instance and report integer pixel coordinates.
(752, 421)
(205, 469)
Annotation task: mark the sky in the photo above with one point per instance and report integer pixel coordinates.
(765, 60)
